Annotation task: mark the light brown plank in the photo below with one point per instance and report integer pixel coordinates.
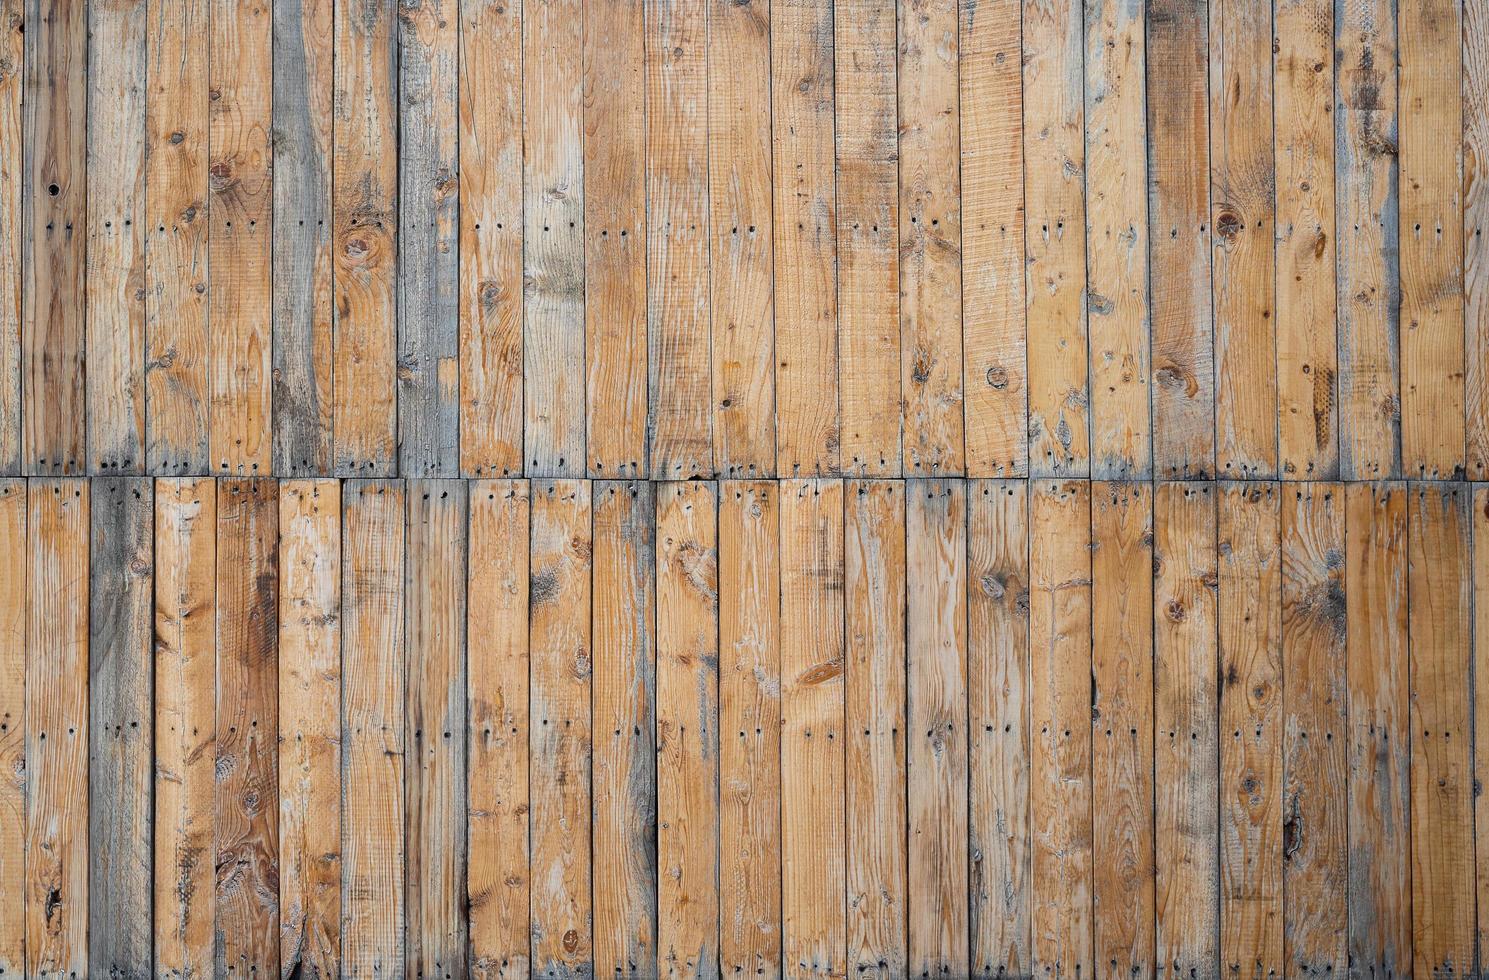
(1400, 922)
(1475, 249)
(16, 561)
(12, 77)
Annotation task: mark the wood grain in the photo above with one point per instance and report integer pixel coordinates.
(13, 537)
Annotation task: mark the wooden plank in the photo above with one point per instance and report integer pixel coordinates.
(991, 69)
(304, 50)
(1475, 251)
(750, 720)
(1438, 634)
(1432, 334)
(553, 244)
(1250, 629)
(428, 239)
(1400, 921)
(1117, 240)
(741, 282)
(1178, 46)
(1367, 234)
(1243, 205)
(802, 80)
(364, 202)
(615, 237)
(1315, 793)
(1186, 752)
(310, 759)
(687, 714)
(12, 144)
(559, 750)
(1122, 720)
(246, 800)
(1060, 873)
(813, 866)
(936, 635)
(930, 239)
(625, 726)
(115, 289)
(496, 761)
(434, 729)
(15, 558)
(1375, 527)
(185, 725)
(120, 725)
(372, 729)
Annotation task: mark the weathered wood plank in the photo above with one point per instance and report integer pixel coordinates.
(1475, 250)
(1398, 913)
(14, 561)
(12, 143)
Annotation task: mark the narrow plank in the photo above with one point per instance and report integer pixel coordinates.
(930, 238)
(1250, 630)
(803, 181)
(1060, 872)
(434, 730)
(120, 725)
(1186, 755)
(428, 239)
(303, 96)
(246, 798)
(875, 698)
(1438, 634)
(1243, 207)
(14, 556)
(496, 761)
(1117, 240)
(1122, 721)
(813, 866)
(559, 749)
(115, 288)
(372, 729)
(1432, 334)
(1315, 763)
(185, 725)
(615, 239)
(750, 720)
(1400, 921)
(553, 266)
(310, 751)
(741, 281)
(993, 335)
(1178, 99)
(1375, 528)
(1369, 275)
(1475, 251)
(364, 203)
(625, 726)
(687, 717)
(12, 144)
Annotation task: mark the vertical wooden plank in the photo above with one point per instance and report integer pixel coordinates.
(428, 239)
(930, 238)
(1368, 276)
(1475, 217)
(12, 143)
(625, 726)
(741, 285)
(1243, 207)
(246, 801)
(615, 237)
(559, 750)
(1250, 628)
(304, 52)
(120, 715)
(15, 558)
(310, 728)
(802, 87)
(496, 763)
(874, 626)
(552, 240)
(1439, 636)
(364, 203)
(185, 726)
(372, 729)
(750, 720)
(1315, 790)
(1060, 723)
(1375, 526)
(1117, 239)
(1186, 752)
(813, 873)
(1122, 717)
(1401, 921)
(993, 336)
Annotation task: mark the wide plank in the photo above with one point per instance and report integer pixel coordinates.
(14, 562)
(12, 80)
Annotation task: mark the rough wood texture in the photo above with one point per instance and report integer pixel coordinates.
(13, 554)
